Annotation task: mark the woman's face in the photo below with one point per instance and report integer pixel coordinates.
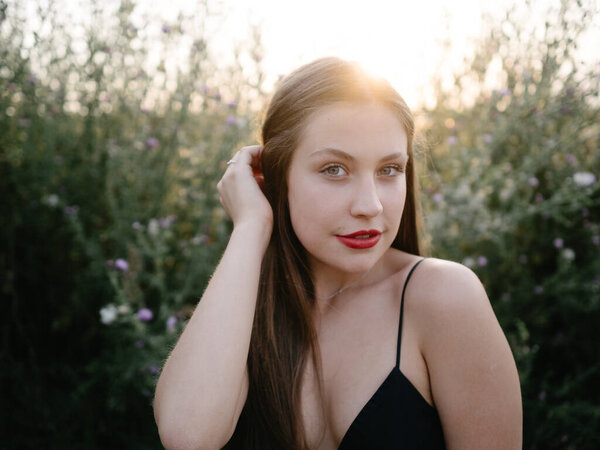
(347, 185)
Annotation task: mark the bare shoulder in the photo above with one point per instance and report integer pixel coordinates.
(451, 306)
(446, 287)
(473, 376)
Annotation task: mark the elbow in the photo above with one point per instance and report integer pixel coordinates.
(177, 436)
(174, 439)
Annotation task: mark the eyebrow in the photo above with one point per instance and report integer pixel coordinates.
(342, 154)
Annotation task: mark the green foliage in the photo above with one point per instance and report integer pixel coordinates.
(111, 148)
(513, 193)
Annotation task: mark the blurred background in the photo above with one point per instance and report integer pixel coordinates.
(116, 118)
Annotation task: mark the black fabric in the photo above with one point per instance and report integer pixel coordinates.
(396, 416)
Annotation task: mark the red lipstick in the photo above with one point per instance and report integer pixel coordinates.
(360, 239)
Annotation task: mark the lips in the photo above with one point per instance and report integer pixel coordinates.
(360, 239)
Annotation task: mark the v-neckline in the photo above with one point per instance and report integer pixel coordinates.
(374, 398)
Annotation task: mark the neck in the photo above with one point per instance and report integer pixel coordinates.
(344, 287)
(330, 283)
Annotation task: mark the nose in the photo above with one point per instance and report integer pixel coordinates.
(366, 201)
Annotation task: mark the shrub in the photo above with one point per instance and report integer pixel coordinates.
(111, 151)
(513, 193)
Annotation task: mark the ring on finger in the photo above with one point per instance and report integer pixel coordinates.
(231, 161)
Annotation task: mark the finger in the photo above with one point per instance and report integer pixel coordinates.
(246, 154)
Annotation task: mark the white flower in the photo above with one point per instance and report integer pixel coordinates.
(568, 254)
(584, 178)
(124, 309)
(469, 262)
(108, 314)
(51, 200)
(153, 227)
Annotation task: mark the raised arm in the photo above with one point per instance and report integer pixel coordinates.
(204, 382)
(474, 379)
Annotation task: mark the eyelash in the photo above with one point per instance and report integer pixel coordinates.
(397, 167)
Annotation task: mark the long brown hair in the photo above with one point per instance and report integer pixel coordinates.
(283, 334)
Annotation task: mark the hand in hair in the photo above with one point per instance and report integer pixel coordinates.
(240, 189)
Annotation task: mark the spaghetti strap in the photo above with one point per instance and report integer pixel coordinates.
(402, 312)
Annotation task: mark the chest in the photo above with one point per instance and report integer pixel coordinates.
(357, 355)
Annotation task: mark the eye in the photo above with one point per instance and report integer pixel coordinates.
(392, 170)
(334, 170)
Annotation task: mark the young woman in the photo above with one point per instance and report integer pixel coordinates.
(322, 327)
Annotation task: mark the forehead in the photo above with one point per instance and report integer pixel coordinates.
(353, 128)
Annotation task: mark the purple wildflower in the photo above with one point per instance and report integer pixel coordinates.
(487, 138)
(139, 343)
(121, 264)
(505, 92)
(596, 240)
(165, 28)
(71, 210)
(231, 120)
(539, 198)
(151, 142)
(232, 104)
(437, 197)
(136, 225)
(482, 261)
(570, 158)
(534, 182)
(558, 242)
(153, 369)
(166, 222)
(539, 289)
(452, 140)
(171, 322)
(145, 315)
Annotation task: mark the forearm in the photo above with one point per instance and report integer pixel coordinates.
(200, 386)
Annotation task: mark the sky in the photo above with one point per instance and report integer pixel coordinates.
(398, 40)
(401, 41)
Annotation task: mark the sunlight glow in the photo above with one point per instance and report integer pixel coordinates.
(399, 41)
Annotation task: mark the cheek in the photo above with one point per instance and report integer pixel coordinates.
(312, 212)
(393, 203)
(305, 203)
